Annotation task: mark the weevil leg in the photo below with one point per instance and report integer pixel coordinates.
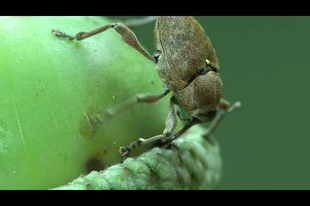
(126, 33)
(110, 113)
(171, 123)
(224, 104)
(188, 125)
(225, 109)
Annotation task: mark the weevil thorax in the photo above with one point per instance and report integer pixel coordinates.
(187, 64)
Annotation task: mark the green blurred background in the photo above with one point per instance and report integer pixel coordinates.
(264, 64)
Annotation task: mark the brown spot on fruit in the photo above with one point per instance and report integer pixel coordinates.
(94, 164)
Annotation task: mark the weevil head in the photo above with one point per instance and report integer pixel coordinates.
(202, 95)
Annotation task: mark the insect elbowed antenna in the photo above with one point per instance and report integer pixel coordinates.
(188, 66)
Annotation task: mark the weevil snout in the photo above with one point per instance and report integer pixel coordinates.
(202, 96)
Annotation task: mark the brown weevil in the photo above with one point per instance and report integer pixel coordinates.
(188, 65)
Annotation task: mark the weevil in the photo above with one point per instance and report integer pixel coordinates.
(187, 64)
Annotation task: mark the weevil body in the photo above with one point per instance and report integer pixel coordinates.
(188, 66)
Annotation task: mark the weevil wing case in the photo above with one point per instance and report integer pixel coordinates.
(184, 46)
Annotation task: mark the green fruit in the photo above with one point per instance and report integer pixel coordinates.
(49, 83)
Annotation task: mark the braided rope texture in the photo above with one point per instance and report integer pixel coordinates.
(191, 162)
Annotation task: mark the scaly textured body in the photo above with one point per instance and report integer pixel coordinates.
(185, 48)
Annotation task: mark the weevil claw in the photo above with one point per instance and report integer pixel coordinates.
(124, 151)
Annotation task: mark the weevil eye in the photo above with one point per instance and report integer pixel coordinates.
(209, 67)
(205, 71)
(157, 55)
(212, 68)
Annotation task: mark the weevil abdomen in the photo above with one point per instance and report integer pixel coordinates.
(184, 48)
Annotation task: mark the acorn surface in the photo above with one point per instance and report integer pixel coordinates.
(48, 84)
